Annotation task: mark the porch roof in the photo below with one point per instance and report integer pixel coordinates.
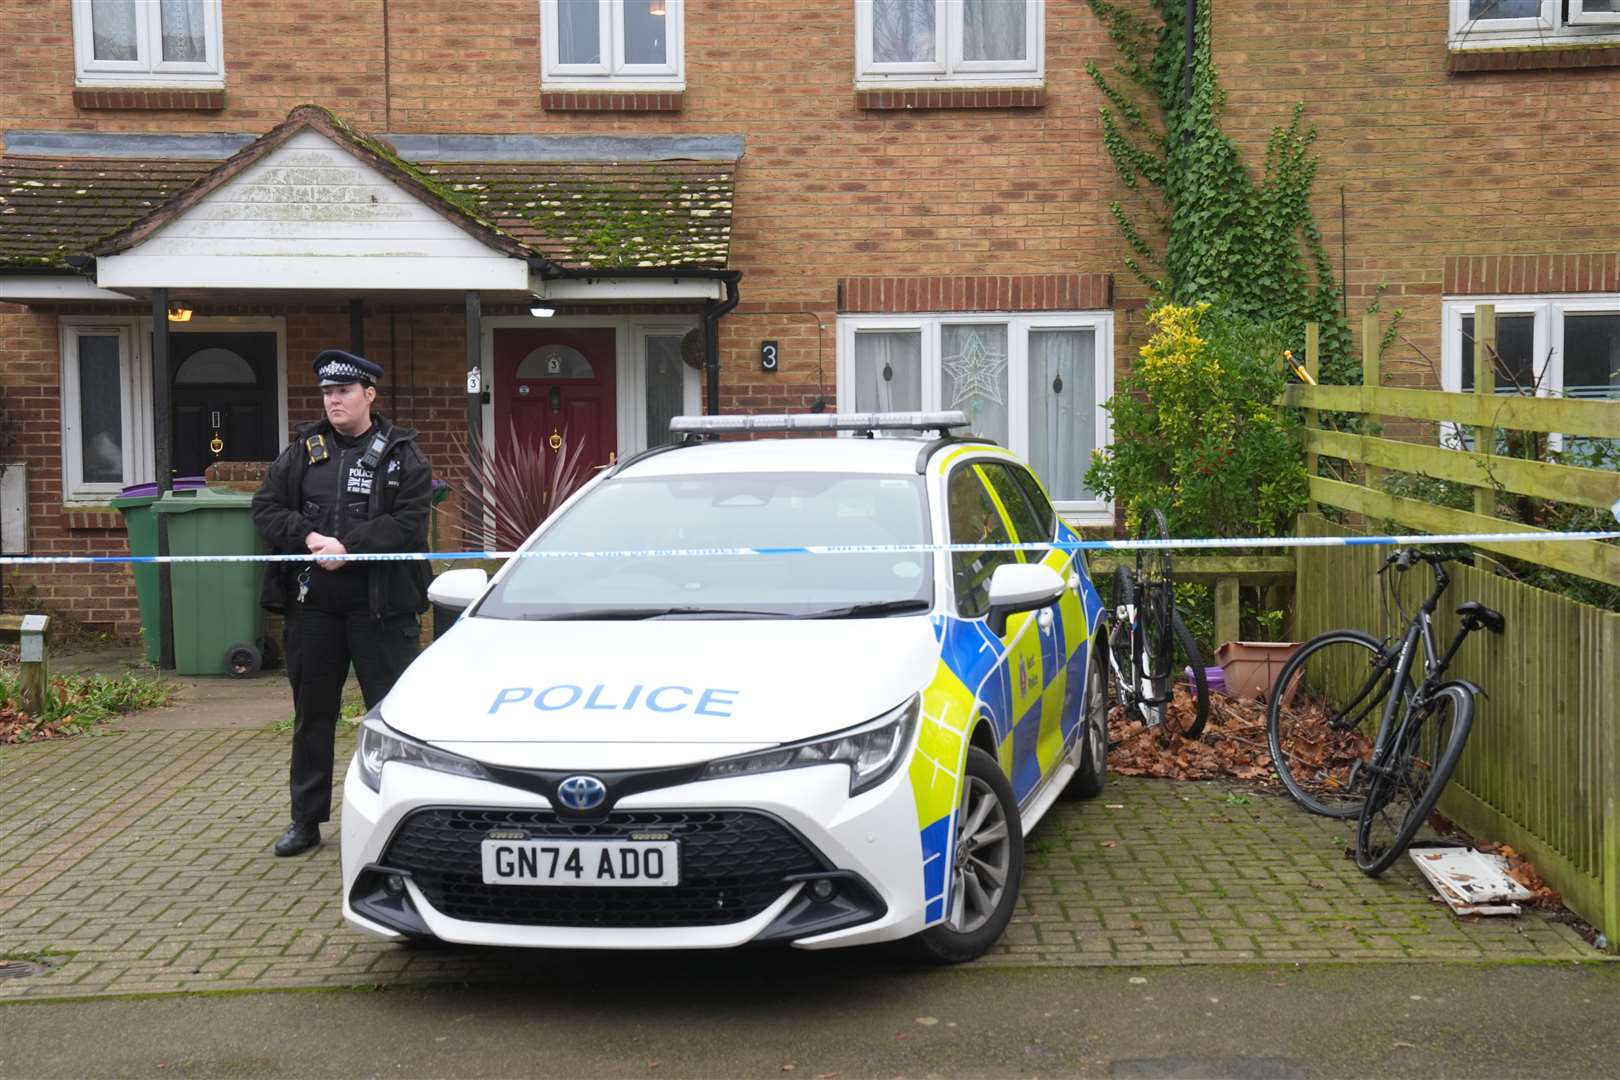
(573, 201)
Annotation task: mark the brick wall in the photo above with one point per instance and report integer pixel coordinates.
(1436, 168)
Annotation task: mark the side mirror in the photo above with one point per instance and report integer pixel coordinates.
(457, 589)
(1018, 587)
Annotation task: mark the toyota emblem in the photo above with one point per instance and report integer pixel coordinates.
(581, 793)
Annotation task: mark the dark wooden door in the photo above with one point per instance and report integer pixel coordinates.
(224, 395)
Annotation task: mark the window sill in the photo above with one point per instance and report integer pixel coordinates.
(148, 98)
(948, 97)
(1537, 58)
(610, 100)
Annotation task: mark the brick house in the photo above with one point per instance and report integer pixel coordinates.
(917, 215)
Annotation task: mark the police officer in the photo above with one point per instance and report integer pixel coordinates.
(350, 483)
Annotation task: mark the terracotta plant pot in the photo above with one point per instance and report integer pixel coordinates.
(1252, 667)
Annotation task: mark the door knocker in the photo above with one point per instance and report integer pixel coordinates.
(555, 440)
(216, 445)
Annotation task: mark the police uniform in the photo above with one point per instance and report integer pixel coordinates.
(373, 492)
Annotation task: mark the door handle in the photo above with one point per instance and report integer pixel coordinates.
(613, 459)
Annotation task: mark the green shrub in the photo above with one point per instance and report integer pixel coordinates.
(1197, 433)
(75, 703)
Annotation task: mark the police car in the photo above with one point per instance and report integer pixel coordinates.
(793, 715)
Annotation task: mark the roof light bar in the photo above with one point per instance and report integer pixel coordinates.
(883, 421)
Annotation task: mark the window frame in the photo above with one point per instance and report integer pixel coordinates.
(135, 407)
(614, 73)
(149, 69)
(1019, 325)
(1549, 28)
(948, 68)
(1547, 338)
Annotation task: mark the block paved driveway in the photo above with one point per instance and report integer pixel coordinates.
(140, 862)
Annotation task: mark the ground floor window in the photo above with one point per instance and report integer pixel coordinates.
(106, 409)
(1034, 383)
(1547, 346)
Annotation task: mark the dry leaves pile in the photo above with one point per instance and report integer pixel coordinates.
(1524, 871)
(1233, 744)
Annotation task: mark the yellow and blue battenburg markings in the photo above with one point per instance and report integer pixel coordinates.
(1029, 691)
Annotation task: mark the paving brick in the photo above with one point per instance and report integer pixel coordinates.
(139, 891)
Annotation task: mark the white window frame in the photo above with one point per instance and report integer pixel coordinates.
(1548, 28)
(614, 73)
(149, 69)
(135, 386)
(1019, 325)
(948, 67)
(1547, 361)
(135, 365)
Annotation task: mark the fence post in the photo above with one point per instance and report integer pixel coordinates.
(1370, 383)
(1228, 626)
(1609, 785)
(1313, 368)
(33, 667)
(1485, 384)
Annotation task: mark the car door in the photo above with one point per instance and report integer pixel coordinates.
(1006, 674)
(1062, 625)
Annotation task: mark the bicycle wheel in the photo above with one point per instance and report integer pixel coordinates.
(1155, 597)
(1404, 791)
(1189, 723)
(1323, 716)
(1121, 670)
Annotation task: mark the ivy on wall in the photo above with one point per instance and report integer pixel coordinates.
(1251, 247)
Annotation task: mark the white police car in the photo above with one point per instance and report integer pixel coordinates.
(778, 744)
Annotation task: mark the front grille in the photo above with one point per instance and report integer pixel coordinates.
(733, 863)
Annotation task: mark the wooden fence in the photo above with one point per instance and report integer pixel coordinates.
(1542, 768)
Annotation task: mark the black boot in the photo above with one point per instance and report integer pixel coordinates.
(300, 836)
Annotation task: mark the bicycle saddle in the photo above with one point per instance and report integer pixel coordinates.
(1475, 614)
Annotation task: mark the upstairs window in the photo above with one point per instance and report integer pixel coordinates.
(956, 42)
(612, 44)
(174, 43)
(1496, 24)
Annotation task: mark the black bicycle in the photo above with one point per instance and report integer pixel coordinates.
(1327, 694)
(1148, 643)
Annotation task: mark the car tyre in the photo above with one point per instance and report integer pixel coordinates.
(1092, 776)
(979, 911)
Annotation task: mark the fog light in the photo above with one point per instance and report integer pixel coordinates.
(821, 890)
(394, 884)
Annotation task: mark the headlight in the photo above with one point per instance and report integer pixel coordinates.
(872, 751)
(380, 744)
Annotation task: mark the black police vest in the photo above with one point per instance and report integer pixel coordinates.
(337, 488)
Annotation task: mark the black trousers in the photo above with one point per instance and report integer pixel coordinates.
(320, 645)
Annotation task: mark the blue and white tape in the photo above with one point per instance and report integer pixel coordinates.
(1225, 543)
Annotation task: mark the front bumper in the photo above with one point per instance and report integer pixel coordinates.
(751, 849)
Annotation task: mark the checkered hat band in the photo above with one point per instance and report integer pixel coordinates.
(338, 370)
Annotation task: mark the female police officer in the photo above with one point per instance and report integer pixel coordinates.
(350, 483)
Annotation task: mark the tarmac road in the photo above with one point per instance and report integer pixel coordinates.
(859, 1014)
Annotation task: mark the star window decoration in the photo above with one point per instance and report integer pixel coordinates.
(978, 372)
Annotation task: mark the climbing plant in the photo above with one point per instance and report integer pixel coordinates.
(1213, 233)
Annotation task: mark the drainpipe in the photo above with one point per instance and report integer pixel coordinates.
(712, 311)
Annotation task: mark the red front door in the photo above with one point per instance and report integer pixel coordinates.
(555, 387)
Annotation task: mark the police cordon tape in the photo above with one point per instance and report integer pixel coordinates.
(1400, 540)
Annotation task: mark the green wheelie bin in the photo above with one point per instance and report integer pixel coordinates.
(135, 503)
(218, 624)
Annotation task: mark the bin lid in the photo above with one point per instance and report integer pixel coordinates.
(146, 494)
(181, 502)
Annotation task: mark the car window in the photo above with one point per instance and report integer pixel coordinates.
(1025, 523)
(778, 511)
(974, 519)
(1038, 501)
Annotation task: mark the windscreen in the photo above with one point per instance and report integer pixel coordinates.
(728, 510)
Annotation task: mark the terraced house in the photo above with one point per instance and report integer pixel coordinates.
(581, 217)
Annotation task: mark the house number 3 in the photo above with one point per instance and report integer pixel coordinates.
(767, 356)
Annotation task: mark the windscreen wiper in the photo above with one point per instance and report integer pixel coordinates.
(635, 614)
(876, 608)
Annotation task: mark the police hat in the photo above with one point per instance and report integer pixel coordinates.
(333, 367)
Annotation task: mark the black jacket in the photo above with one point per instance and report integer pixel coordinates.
(399, 505)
